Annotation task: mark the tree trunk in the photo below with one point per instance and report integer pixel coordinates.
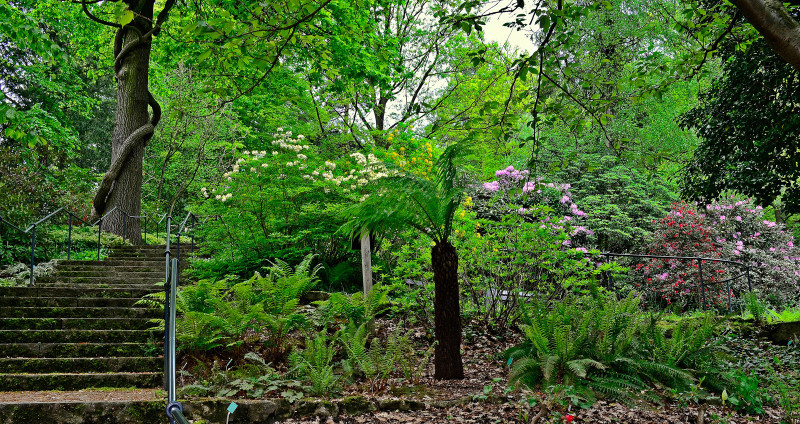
(122, 185)
(773, 22)
(447, 310)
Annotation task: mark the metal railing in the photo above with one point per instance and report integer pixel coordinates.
(174, 408)
(703, 284)
(71, 218)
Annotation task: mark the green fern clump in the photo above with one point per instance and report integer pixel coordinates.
(376, 360)
(314, 364)
(608, 347)
(264, 309)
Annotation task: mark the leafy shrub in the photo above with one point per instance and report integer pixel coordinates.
(270, 204)
(719, 231)
(518, 257)
(620, 201)
(604, 346)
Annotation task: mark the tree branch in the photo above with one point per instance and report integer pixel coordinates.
(773, 22)
(96, 19)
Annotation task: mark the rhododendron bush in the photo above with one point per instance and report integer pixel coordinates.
(530, 235)
(718, 232)
(513, 192)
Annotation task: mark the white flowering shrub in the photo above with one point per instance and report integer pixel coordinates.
(766, 246)
(271, 204)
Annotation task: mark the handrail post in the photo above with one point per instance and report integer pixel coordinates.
(178, 254)
(729, 297)
(749, 283)
(33, 247)
(69, 239)
(166, 304)
(171, 390)
(99, 228)
(702, 285)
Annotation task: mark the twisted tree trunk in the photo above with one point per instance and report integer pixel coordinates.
(121, 186)
(447, 319)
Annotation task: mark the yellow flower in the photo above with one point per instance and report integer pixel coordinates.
(478, 235)
(494, 250)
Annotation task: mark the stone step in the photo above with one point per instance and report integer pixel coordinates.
(110, 280)
(106, 263)
(112, 273)
(155, 267)
(118, 302)
(72, 350)
(150, 248)
(78, 336)
(83, 291)
(95, 365)
(76, 323)
(19, 382)
(147, 287)
(70, 312)
(142, 258)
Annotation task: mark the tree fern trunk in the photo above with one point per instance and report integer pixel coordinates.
(447, 320)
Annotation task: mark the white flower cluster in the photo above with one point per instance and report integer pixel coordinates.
(255, 154)
(372, 169)
(223, 197)
(285, 141)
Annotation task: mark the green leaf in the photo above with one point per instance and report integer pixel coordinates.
(126, 17)
(203, 56)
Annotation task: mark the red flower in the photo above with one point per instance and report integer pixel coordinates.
(568, 418)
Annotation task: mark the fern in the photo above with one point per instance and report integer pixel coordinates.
(313, 364)
(610, 347)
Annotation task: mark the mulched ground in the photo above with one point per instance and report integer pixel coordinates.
(483, 367)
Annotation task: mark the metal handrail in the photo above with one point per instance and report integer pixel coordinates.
(32, 230)
(11, 225)
(174, 408)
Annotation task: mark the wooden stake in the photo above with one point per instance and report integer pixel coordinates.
(366, 262)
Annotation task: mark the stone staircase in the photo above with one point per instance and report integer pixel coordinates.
(80, 328)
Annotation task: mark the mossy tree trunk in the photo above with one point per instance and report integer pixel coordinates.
(121, 186)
